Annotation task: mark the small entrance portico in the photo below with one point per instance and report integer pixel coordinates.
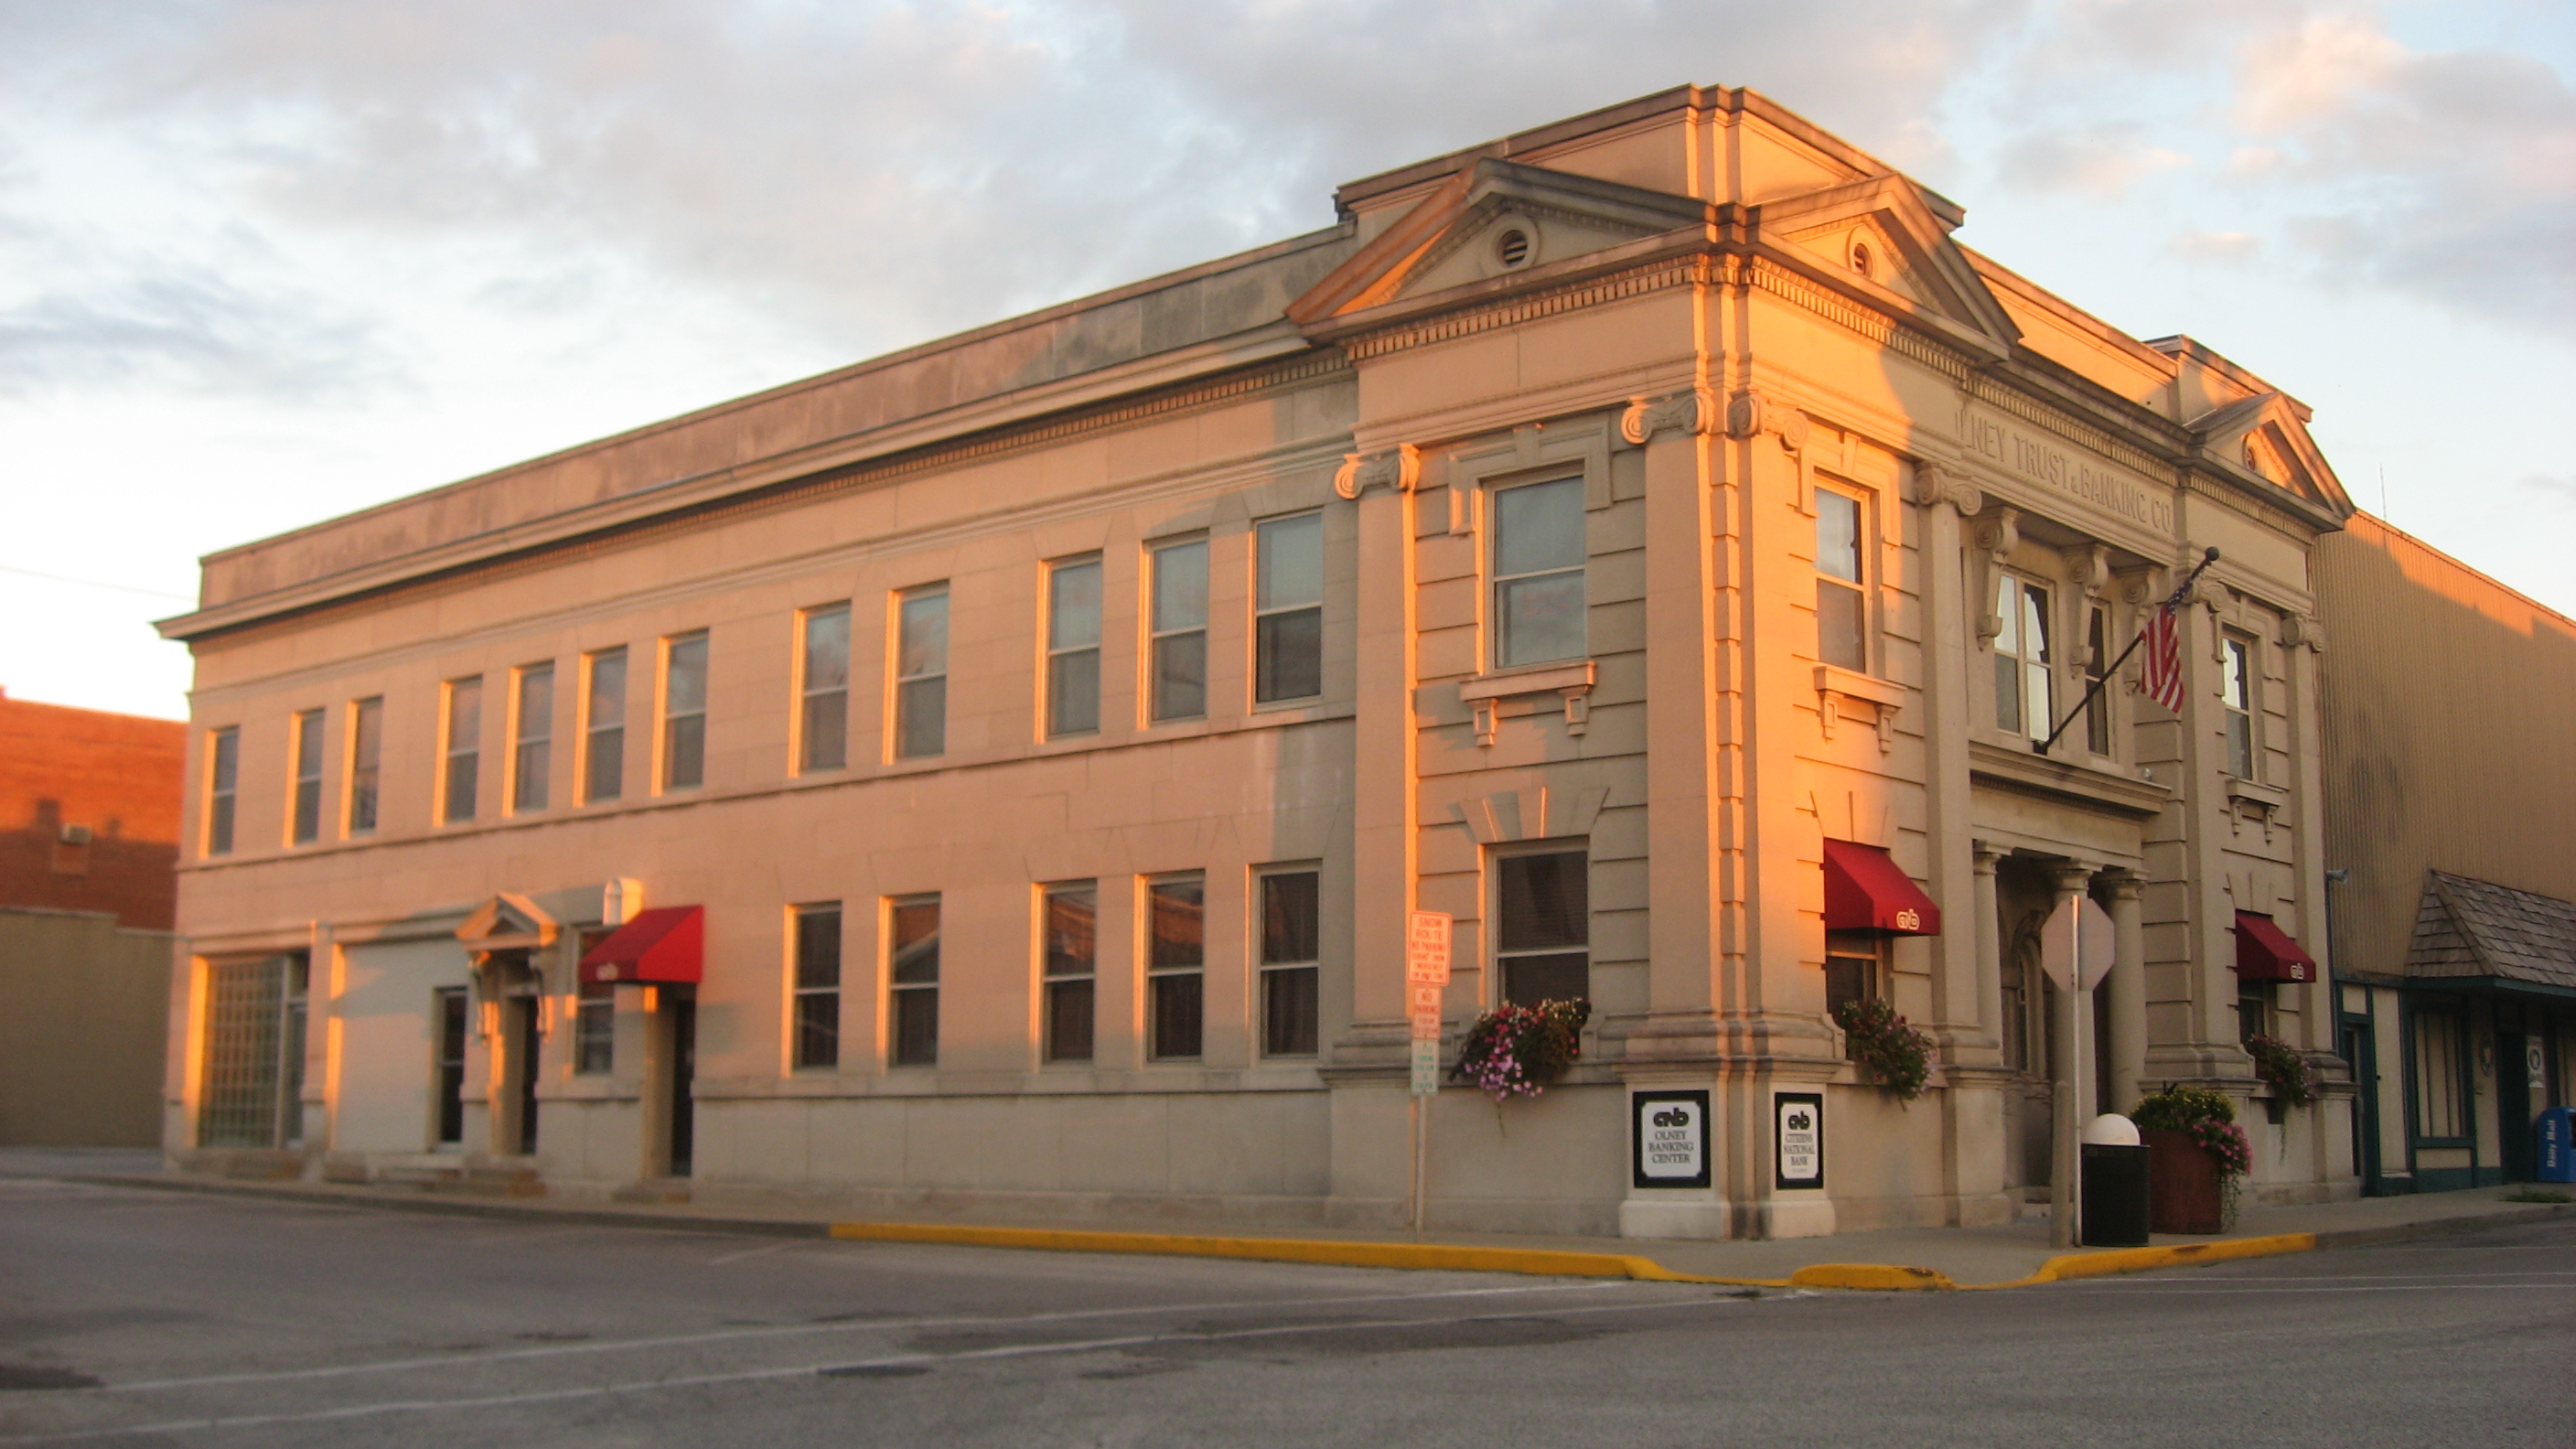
(504, 939)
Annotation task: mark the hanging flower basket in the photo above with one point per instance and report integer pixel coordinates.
(2292, 1080)
(1894, 1055)
(2200, 1159)
(1520, 1051)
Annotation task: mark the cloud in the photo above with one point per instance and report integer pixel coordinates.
(187, 328)
(2226, 248)
(2447, 174)
(2101, 161)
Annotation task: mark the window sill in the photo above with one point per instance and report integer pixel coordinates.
(1839, 689)
(1571, 681)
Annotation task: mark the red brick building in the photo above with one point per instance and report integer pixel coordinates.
(89, 811)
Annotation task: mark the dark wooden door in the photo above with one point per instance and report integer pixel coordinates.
(684, 1062)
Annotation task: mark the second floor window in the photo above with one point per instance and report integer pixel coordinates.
(603, 745)
(1180, 612)
(1842, 616)
(818, 985)
(1070, 968)
(1538, 573)
(823, 728)
(1073, 648)
(1176, 966)
(2237, 691)
(223, 780)
(684, 712)
(2025, 689)
(308, 777)
(463, 776)
(366, 762)
(532, 747)
(921, 674)
(1288, 609)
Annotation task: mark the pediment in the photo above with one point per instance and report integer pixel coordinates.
(1490, 221)
(1880, 233)
(508, 921)
(2266, 435)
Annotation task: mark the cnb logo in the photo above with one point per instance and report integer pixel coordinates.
(1673, 1117)
(1800, 1119)
(1909, 920)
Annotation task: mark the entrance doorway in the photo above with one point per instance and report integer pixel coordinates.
(2513, 1103)
(682, 1003)
(2362, 1055)
(524, 1036)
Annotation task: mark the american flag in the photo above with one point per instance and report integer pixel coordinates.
(2162, 680)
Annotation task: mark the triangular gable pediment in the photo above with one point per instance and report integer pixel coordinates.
(508, 921)
(2266, 435)
(1879, 232)
(1489, 221)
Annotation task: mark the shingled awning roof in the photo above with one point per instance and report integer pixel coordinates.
(2475, 932)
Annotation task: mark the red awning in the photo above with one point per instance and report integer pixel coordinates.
(666, 943)
(2265, 953)
(1865, 890)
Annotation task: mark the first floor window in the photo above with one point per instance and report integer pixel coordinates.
(308, 777)
(1178, 621)
(1291, 934)
(921, 674)
(1852, 971)
(818, 985)
(2253, 1009)
(603, 745)
(684, 712)
(1539, 611)
(2441, 1078)
(1543, 944)
(223, 777)
(366, 761)
(595, 1027)
(2025, 691)
(447, 1014)
(1073, 648)
(912, 972)
(464, 749)
(1842, 618)
(1070, 968)
(1288, 609)
(2236, 688)
(1176, 966)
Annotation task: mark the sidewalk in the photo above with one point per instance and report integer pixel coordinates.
(2010, 1256)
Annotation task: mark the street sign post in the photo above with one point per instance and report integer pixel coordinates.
(2075, 948)
(1426, 979)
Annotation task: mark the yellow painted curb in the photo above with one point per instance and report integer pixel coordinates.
(1874, 1276)
(1541, 1261)
(1544, 1262)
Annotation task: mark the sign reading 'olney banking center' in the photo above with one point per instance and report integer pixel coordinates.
(2044, 461)
(1669, 1136)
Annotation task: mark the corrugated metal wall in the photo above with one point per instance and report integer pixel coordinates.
(2450, 734)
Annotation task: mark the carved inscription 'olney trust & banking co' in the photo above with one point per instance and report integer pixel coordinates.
(2045, 462)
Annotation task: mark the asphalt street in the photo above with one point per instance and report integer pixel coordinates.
(131, 1316)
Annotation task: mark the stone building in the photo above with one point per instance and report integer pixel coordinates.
(996, 777)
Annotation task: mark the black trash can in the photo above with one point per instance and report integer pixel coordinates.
(2114, 1190)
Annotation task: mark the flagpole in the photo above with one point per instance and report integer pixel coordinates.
(2172, 601)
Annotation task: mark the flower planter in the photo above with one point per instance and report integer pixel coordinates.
(2182, 1185)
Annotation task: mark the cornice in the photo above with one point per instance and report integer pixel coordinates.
(1049, 416)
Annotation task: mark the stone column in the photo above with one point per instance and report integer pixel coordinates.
(2128, 992)
(1989, 939)
(1968, 1030)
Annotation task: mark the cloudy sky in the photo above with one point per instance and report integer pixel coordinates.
(267, 261)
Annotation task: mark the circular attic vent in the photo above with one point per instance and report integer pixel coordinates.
(1512, 248)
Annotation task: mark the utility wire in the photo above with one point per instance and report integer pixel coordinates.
(95, 584)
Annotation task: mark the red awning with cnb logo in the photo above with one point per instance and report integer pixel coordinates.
(664, 944)
(2264, 952)
(1866, 890)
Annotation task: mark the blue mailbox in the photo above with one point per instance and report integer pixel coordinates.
(2555, 1161)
